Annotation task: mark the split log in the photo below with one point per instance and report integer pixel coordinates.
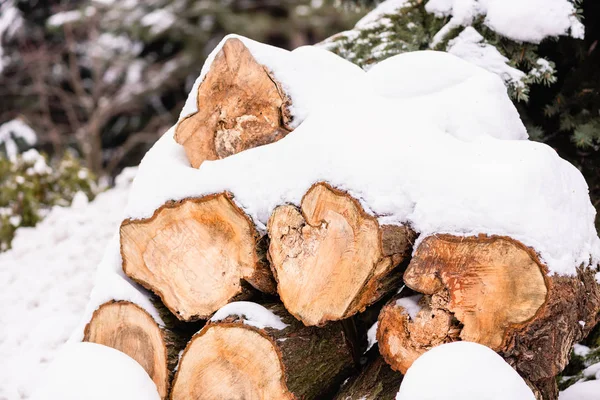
(126, 327)
(494, 291)
(330, 258)
(377, 381)
(197, 254)
(238, 359)
(240, 106)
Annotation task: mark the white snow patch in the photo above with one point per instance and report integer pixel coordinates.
(15, 220)
(13, 130)
(464, 100)
(410, 305)
(592, 372)
(92, 371)
(462, 371)
(374, 16)
(372, 336)
(581, 391)
(543, 67)
(581, 350)
(252, 314)
(520, 20)
(66, 17)
(47, 278)
(471, 46)
(360, 141)
(11, 21)
(39, 166)
(109, 45)
(158, 20)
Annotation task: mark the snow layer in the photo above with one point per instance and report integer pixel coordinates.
(410, 304)
(405, 164)
(592, 372)
(470, 46)
(581, 350)
(462, 371)
(464, 100)
(372, 336)
(521, 20)
(308, 74)
(589, 390)
(92, 371)
(47, 277)
(252, 314)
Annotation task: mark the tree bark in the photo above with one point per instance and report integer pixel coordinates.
(240, 106)
(377, 381)
(330, 258)
(197, 254)
(126, 327)
(494, 291)
(231, 359)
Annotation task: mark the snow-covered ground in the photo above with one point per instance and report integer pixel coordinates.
(46, 280)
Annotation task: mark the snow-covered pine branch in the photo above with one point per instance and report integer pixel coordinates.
(500, 36)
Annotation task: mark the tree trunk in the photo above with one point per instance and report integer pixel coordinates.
(197, 254)
(377, 381)
(126, 327)
(240, 106)
(494, 291)
(330, 258)
(236, 358)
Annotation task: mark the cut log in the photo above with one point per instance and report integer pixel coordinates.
(126, 327)
(494, 291)
(402, 340)
(235, 358)
(330, 258)
(377, 381)
(240, 106)
(197, 254)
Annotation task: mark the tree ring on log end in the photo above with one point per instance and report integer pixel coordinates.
(495, 284)
(481, 289)
(328, 257)
(240, 106)
(126, 327)
(195, 254)
(230, 361)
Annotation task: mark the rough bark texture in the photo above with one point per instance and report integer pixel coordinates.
(240, 106)
(232, 360)
(377, 381)
(540, 349)
(494, 291)
(330, 258)
(197, 254)
(128, 328)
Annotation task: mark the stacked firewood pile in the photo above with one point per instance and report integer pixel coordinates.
(297, 300)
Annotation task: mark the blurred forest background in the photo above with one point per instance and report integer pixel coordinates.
(87, 86)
